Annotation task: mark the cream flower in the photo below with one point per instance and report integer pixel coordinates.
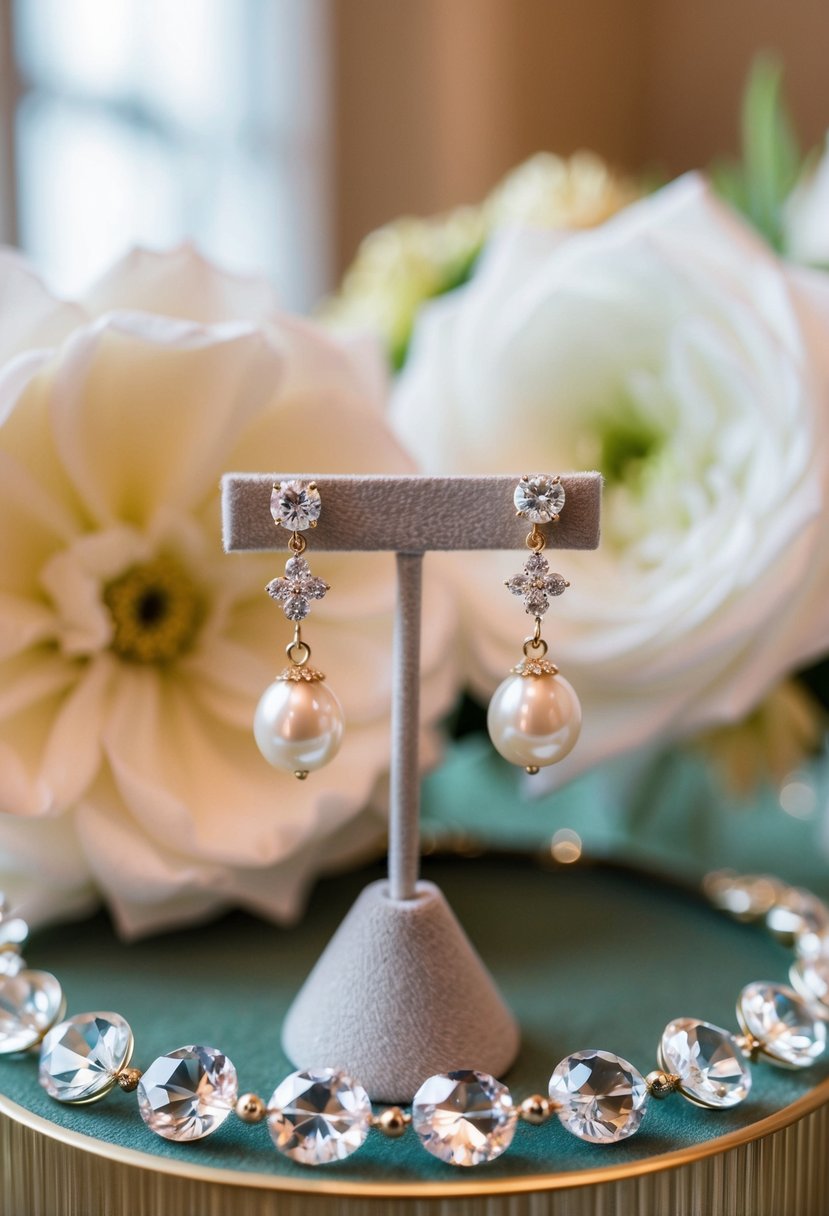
(132, 650)
(673, 351)
(549, 191)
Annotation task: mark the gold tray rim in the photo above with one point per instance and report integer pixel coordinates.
(524, 1184)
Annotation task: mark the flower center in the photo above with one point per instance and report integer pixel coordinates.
(627, 442)
(156, 611)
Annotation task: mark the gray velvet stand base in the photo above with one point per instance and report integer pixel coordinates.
(584, 957)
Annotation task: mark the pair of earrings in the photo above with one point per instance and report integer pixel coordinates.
(534, 717)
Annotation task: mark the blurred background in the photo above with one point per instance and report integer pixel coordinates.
(276, 133)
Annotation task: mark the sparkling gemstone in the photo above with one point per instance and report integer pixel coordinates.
(539, 499)
(797, 913)
(13, 932)
(11, 963)
(81, 1058)
(296, 590)
(319, 1115)
(708, 1061)
(295, 505)
(187, 1093)
(810, 978)
(602, 1098)
(745, 896)
(464, 1117)
(812, 945)
(788, 1031)
(30, 1002)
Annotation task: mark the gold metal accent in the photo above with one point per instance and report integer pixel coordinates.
(297, 544)
(532, 769)
(392, 1122)
(250, 1108)
(537, 1109)
(128, 1079)
(301, 773)
(302, 649)
(535, 667)
(297, 672)
(535, 642)
(661, 1084)
(536, 540)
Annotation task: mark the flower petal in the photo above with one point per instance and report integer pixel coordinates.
(145, 410)
(180, 283)
(29, 316)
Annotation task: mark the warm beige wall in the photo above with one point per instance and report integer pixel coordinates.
(435, 99)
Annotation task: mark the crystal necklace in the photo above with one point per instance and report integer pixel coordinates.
(463, 1117)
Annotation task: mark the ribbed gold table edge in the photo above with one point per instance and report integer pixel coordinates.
(20, 1131)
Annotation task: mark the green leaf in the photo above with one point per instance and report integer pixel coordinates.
(759, 184)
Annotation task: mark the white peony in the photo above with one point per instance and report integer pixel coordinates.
(132, 650)
(672, 350)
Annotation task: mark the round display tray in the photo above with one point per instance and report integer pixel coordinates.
(586, 958)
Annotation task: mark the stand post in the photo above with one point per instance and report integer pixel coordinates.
(404, 816)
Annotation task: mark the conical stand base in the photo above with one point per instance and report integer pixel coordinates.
(398, 994)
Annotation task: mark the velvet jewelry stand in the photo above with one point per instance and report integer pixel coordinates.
(399, 993)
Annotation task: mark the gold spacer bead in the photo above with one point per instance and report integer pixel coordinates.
(250, 1108)
(660, 1083)
(749, 1046)
(392, 1122)
(532, 769)
(536, 1109)
(301, 774)
(128, 1079)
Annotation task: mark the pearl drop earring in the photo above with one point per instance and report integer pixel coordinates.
(534, 717)
(298, 725)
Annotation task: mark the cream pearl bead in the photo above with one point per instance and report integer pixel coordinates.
(298, 725)
(534, 720)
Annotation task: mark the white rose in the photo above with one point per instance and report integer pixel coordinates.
(132, 649)
(672, 350)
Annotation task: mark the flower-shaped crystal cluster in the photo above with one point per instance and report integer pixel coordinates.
(535, 584)
(297, 589)
(132, 649)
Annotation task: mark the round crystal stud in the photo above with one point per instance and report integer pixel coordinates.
(601, 1097)
(295, 505)
(711, 1067)
(188, 1093)
(319, 1115)
(80, 1058)
(464, 1117)
(539, 499)
(788, 1031)
(810, 979)
(30, 1002)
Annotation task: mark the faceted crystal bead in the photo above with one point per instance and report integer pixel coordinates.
(319, 1115)
(30, 1002)
(81, 1058)
(187, 1093)
(602, 1098)
(707, 1060)
(539, 499)
(13, 932)
(464, 1117)
(797, 913)
(788, 1031)
(745, 896)
(11, 963)
(295, 505)
(810, 978)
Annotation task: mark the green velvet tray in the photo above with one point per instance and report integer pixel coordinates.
(586, 957)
